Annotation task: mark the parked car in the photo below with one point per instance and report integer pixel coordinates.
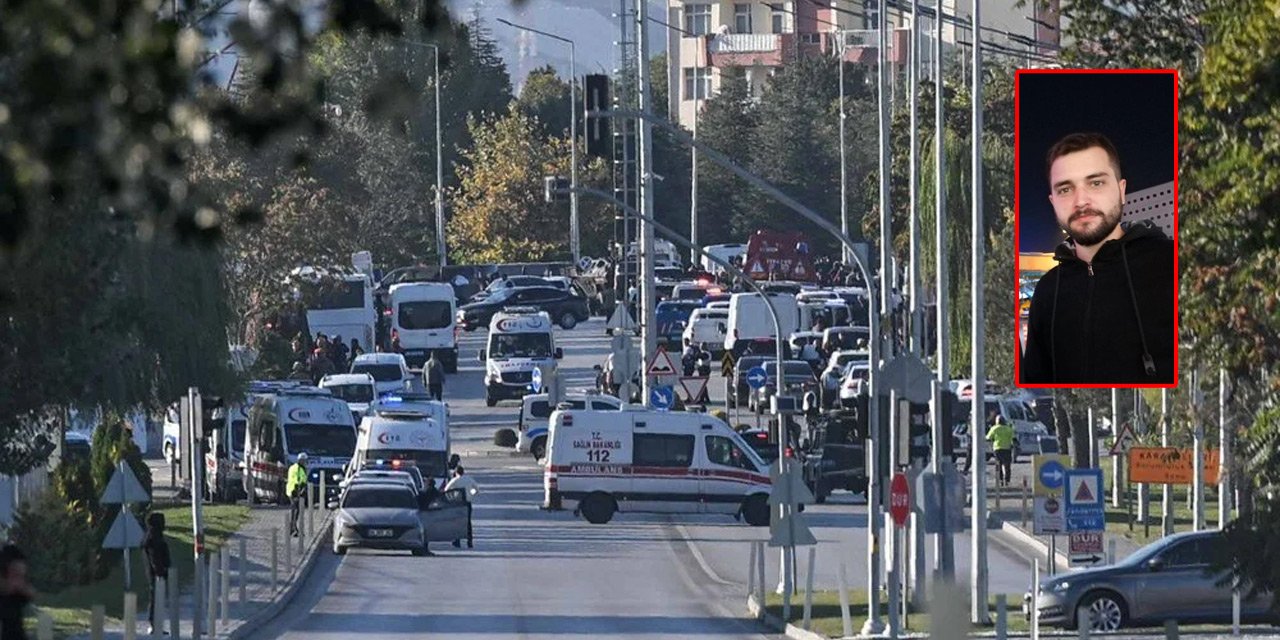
(1171, 578)
(834, 371)
(565, 307)
(513, 282)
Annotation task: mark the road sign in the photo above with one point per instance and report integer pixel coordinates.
(694, 387)
(123, 488)
(1048, 516)
(535, 380)
(662, 364)
(1084, 549)
(1085, 500)
(933, 501)
(899, 499)
(909, 376)
(621, 320)
(1166, 465)
(726, 364)
(125, 532)
(662, 397)
(788, 486)
(1124, 441)
(790, 531)
(756, 377)
(1050, 473)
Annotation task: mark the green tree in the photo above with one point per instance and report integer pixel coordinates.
(726, 124)
(545, 98)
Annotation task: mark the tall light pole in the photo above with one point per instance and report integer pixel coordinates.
(844, 167)
(575, 245)
(694, 253)
(440, 245)
(978, 565)
(944, 551)
(913, 282)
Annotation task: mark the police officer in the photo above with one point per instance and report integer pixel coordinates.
(295, 487)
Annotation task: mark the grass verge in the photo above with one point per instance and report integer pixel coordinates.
(71, 609)
(828, 622)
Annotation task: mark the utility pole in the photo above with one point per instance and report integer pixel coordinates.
(1224, 457)
(944, 545)
(1197, 450)
(1166, 521)
(913, 273)
(978, 566)
(648, 339)
(1144, 489)
(844, 167)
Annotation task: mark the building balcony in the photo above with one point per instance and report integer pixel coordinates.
(749, 49)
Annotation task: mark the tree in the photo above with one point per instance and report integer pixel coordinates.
(502, 216)
(726, 123)
(545, 98)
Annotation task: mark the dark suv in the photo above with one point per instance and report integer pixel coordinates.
(566, 308)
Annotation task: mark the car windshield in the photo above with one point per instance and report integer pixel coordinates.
(378, 498)
(321, 440)
(380, 372)
(425, 314)
(520, 345)
(846, 339)
(845, 358)
(352, 392)
(796, 371)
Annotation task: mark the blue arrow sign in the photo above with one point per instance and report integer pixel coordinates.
(662, 397)
(1052, 474)
(756, 377)
(535, 380)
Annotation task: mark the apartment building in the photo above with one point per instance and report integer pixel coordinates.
(708, 36)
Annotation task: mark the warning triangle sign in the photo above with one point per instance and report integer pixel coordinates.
(756, 267)
(1083, 495)
(662, 365)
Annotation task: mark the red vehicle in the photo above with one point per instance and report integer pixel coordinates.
(779, 255)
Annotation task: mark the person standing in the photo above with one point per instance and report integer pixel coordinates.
(15, 593)
(295, 487)
(469, 490)
(1001, 436)
(158, 562)
(433, 377)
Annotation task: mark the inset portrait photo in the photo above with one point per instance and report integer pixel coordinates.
(1096, 228)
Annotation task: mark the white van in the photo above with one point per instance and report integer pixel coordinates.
(416, 432)
(704, 327)
(602, 462)
(357, 389)
(725, 252)
(224, 458)
(389, 370)
(535, 411)
(422, 315)
(749, 319)
(293, 421)
(521, 339)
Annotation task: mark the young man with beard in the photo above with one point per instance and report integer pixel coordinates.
(1105, 313)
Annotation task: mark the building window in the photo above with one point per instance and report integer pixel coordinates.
(742, 18)
(697, 19)
(779, 20)
(697, 83)
(811, 38)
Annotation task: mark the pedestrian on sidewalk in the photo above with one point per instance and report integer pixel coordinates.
(158, 562)
(15, 593)
(469, 490)
(433, 377)
(1001, 436)
(296, 487)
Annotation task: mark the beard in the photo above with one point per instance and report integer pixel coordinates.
(1091, 236)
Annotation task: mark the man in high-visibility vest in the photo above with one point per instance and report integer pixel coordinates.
(295, 486)
(1001, 436)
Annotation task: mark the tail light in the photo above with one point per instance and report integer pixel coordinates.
(789, 453)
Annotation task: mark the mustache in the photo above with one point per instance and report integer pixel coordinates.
(1087, 212)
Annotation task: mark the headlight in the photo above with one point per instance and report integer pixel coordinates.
(1060, 586)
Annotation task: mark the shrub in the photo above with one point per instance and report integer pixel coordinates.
(72, 559)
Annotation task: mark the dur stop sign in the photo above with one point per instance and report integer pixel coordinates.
(899, 499)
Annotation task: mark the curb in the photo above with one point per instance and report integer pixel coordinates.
(775, 623)
(494, 454)
(292, 585)
(1018, 536)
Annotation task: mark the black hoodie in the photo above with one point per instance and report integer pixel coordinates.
(156, 547)
(1106, 322)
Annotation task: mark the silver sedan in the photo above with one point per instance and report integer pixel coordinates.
(1171, 578)
(378, 516)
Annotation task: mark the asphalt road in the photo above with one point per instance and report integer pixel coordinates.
(532, 573)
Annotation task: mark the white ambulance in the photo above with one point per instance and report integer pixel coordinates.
(411, 429)
(291, 421)
(603, 462)
(422, 315)
(521, 339)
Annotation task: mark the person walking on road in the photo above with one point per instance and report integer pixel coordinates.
(15, 593)
(1001, 436)
(295, 487)
(158, 563)
(433, 377)
(968, 461)
(469, 490)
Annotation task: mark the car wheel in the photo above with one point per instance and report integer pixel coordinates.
(539, 448)
(420, 551)
(756, 511)
(568, 321)
(1106, 611)
(597, 508)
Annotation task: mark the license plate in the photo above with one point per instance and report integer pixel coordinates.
(380, 533)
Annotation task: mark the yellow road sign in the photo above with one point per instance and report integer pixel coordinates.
(1168, 465)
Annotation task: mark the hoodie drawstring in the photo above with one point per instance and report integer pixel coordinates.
(1053, 329)
(1148, 362)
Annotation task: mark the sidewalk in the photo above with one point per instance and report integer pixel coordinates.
(262, 602)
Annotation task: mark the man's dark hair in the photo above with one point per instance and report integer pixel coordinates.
(1079, 142)
(8, 556)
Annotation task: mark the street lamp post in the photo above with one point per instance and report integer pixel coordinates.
(440, 245)
(575, 246)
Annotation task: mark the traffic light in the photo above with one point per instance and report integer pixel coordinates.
(598, 130)
(919, 432)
